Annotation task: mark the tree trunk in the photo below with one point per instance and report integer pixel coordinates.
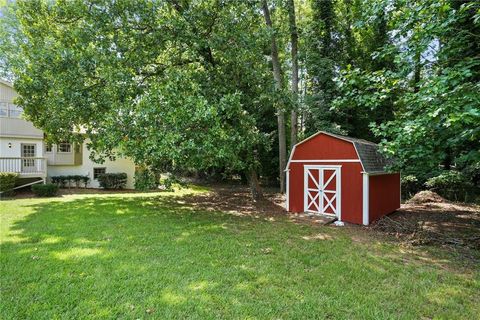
(277, 75)
(255, 189)
(294, 40)
(416, 72)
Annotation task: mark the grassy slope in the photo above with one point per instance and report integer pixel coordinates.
(149, 256)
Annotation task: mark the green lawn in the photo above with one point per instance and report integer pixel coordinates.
(146, 256)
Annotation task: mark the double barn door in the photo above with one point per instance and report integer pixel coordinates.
(322, 190)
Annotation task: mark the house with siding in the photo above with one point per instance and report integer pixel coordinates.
(24, 151)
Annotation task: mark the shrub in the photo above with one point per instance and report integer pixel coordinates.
(410, 186)
(64, 181)
(61, 181)
(145, 180)
(45, 190)
(169, 183)
(452, 185)
(7, 182)
(473, 173)
(84, 180)
(113, 180)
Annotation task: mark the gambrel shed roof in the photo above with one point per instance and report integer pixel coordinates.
(368, 152)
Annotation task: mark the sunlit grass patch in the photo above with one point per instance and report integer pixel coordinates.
(148, 255)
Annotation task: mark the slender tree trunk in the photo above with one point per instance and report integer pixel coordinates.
(294, 40)
(255, 189)
(416, 73)
(277, 75)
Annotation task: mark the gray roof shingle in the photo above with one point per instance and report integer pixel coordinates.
(372, 160)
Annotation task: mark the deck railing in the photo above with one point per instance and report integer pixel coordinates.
(25, 166)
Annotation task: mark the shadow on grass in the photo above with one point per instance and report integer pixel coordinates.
(159, 257)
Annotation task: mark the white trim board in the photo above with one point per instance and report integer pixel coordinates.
(287, 200)
(7, 83)
(365, 200)
(329, 160)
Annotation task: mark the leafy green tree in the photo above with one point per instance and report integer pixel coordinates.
(431, 84)
(171, 82)
(321, 48)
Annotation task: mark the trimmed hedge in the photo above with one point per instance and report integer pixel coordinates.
(67, 181)
(45, 190)
(113, 180)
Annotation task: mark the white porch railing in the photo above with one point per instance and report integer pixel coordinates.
(25, 166)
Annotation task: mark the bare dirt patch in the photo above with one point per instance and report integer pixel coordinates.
(236, 199)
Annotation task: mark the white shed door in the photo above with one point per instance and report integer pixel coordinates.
(322, 190)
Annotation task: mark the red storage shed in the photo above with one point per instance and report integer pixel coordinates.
(341, 176)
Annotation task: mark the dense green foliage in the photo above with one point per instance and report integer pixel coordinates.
(7, 182)
(112, 180)
(453, 185)
(431, 86)
(188, 85)
(45, 190)
(145, 180)
(155, 256)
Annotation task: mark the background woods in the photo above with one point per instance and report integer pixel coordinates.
(226, 88)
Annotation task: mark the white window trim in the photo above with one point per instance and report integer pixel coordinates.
(11, 106)
(8, 109)
(65, 152)
(93, 172)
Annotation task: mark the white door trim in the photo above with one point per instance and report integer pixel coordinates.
(287, 200)
(337, 209)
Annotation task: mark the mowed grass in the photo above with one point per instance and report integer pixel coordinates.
(152, 256)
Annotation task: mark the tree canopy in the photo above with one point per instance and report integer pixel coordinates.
(205, 85)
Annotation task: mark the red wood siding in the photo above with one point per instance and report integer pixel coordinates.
(384, 195)
(324, 147)
(351, 189)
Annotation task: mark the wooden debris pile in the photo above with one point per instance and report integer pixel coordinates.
(416, 232)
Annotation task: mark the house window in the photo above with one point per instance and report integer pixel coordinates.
(3, 109)
(10, 110)
(64, 147)
(48, 148)
(14, 111)
(98, 171)
(28, 152)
